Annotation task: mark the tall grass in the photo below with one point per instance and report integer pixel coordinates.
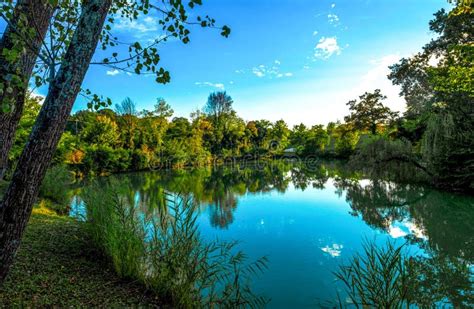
(162, 248)
(379, 277)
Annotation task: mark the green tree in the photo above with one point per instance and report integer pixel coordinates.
(64, 86)
(163, 109)
(317, 140)
(444, 117)
(218, 108)
(280, 135)
(298, 137)
(128, 118)
(368, 113)
(103, 131)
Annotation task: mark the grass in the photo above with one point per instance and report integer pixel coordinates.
(162, 248)
(379, 277)
(56, 266)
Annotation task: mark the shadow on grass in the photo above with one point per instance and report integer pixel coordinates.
(55, 265)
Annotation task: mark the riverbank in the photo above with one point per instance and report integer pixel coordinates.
(57, 266)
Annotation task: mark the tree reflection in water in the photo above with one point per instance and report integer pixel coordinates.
(438, 222)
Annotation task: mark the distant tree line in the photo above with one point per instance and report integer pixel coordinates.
(123, 138)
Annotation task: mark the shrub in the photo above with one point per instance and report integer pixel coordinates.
(105, 159)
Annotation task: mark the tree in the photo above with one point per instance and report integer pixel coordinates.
(317, 140)
(103, 131)
(446, 92)
(411, 74)
(64, 86)
(219, 104)
(448, 143)
(280, 135)
(298, 137)
(18, 200)
(128, 115)
(163, 109)
(369, 112)
(19, 49)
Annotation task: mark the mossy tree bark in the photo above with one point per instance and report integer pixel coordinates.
(17, 203)
(37, 15)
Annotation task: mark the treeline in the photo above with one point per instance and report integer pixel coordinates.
(434, 135)
(123, 138)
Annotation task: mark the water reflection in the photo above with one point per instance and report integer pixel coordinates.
(439, 223)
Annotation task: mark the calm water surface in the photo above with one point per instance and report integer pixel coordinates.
(309, 220)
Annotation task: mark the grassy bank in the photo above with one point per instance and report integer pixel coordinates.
(56, 266)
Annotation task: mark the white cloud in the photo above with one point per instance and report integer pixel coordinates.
(327, 47)
(334, 250)
(145, 29)
(333, 5)
(315, 33)
(259, 71)
(325, 93)
(148, 24)
(399, 229)
(333, 19)
(396, 232)
(215, 85)
(270, 71)
(113, 72)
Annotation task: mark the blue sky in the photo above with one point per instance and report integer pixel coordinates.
(297, 60)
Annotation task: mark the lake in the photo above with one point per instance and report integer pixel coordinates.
(308, 220)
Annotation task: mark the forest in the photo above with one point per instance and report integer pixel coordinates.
(46, 149)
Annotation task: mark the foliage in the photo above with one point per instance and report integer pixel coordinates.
(105, 159)
(163, 249)
(55, 188)
(31, 110)
(176, 21)
(388, 276)
(369, 113)
(378, 156)
(440, 98)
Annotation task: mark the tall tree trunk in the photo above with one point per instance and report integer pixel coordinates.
(37, 14)
(16, 206)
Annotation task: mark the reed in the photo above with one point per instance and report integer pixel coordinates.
(163, 248)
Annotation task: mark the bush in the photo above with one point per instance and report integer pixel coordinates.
(55, 188)
(105, 159)
(162, 248)
(344, 146)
